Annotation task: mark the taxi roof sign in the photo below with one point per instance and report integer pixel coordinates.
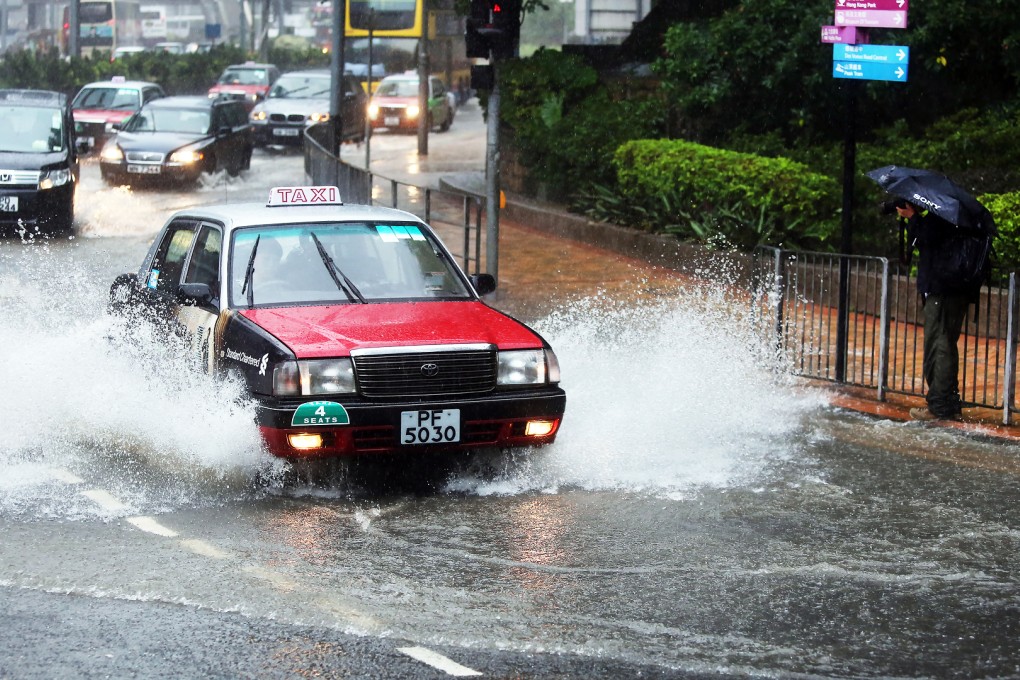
(312, 195)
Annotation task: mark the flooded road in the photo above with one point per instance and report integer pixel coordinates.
(699, 515)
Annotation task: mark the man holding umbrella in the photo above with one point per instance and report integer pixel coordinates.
(952, 233)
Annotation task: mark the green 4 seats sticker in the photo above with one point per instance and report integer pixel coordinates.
(320, 413)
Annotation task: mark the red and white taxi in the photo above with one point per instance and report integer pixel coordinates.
(99, 108)
(249, 82)
(352, 326)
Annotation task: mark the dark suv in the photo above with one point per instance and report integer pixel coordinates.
(177, 139)
(38, 161)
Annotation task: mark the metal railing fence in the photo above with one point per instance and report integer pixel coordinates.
(797, 307)
(457, 217)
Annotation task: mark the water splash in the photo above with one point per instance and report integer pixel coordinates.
(663, 396)
(117, 413)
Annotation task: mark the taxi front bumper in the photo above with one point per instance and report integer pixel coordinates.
(500, 421)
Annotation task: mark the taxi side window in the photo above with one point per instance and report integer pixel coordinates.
(168, 265)
(204, 266)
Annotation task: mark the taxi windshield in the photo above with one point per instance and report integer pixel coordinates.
(336, 263)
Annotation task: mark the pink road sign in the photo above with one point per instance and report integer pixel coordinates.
(880, 5)
(849, 35)
(871, 18)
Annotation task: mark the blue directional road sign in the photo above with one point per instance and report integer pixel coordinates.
(870, 62)
(869, 71)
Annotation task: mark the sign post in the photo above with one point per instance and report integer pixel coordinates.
(853, 60)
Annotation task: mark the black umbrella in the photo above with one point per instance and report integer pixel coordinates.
(937, 193)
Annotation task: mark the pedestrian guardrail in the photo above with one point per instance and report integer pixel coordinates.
(456, 216)
(875, 338)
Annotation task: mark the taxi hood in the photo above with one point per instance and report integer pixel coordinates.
(330, 331)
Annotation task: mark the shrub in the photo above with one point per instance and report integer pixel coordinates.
(1005, 208)
(774, 199)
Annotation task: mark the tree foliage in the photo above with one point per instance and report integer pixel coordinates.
(760, 68)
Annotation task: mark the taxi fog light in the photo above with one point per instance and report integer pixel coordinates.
(521, 367)
(305, 442)
(327, 376)
(287, 379)
(539, 428)
(185, 156)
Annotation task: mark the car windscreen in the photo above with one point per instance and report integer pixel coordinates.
(398, 88)
(189, 121)
(107, 98)
(300, 87)
(244, 76)
(31, 129)
(336, 263)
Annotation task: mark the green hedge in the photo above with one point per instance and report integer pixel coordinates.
(176, 73)
(762, 200)
(1005, 208)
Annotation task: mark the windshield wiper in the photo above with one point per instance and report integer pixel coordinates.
(346, 285)
(248, 272)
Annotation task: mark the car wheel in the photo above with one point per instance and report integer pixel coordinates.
(60, 224)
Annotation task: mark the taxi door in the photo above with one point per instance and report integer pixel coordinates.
(199, 315)
(188, 252)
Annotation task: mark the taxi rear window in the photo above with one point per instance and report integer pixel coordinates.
(371, 262)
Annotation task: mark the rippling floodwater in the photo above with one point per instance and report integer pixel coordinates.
(698, 512)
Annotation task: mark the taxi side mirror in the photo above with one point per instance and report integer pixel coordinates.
(483, 283)
(199, 292)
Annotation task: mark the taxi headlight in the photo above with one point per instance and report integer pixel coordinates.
(413, 111)
(186, 156)
(527, 367)
(109, 128)
(55, 178)
(111, 153)
(313, 376)
(373, 111)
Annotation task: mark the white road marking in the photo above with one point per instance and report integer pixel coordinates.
(65, 476)
(104, 500)
(200, 547)
(437, 660)
(152, 526)
(274, 577)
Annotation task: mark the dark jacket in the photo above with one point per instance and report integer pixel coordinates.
(950, 260)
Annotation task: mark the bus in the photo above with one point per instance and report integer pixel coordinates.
(104, 25)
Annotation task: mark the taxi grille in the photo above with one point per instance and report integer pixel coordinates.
(425, 374)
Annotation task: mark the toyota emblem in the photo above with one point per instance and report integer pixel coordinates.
(430, 370)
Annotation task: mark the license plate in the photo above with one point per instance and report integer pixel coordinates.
(143, 169)
(286, 132)
(391, 121)
(430, 426)
(8, 204)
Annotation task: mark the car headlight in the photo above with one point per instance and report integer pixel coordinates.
(527, 367)
(319, 117)
(111, 153)
(258, 116)
(186, 156)
(373, 111)
(413, 111)
(313, 376)
(55, 178)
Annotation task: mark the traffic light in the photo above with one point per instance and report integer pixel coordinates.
(493, 29)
